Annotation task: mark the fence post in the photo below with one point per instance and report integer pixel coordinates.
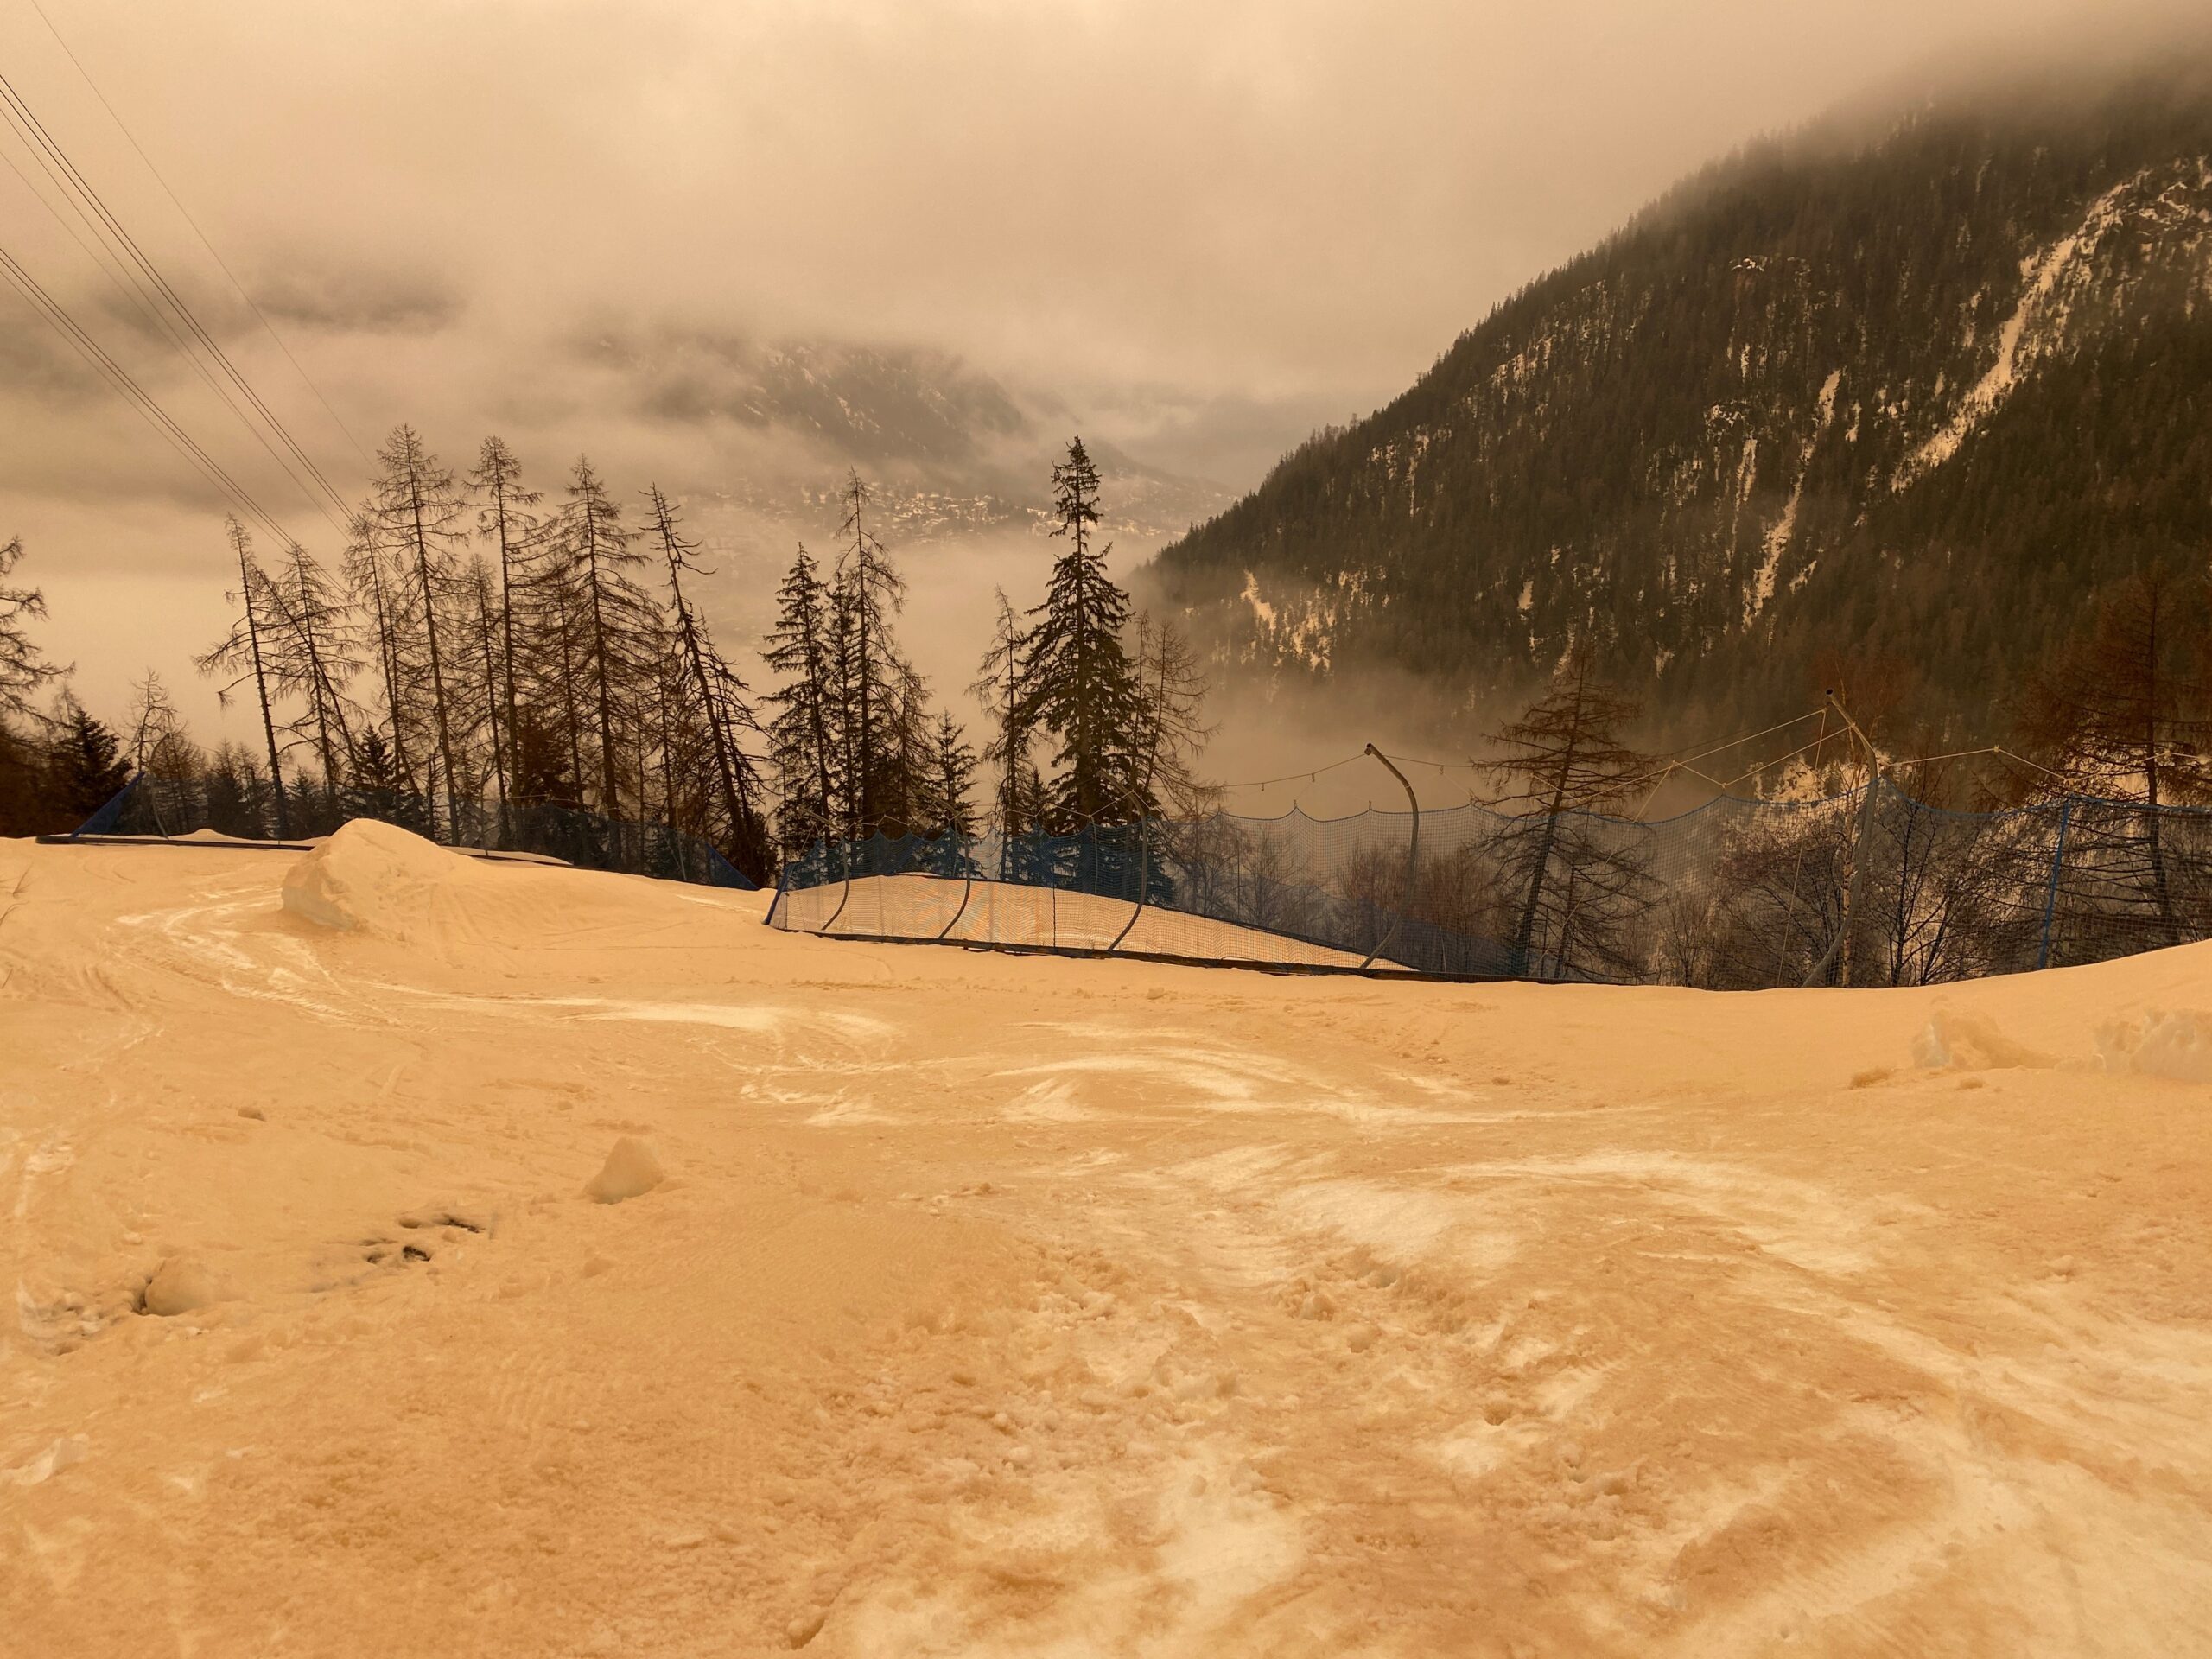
(845, 860)
(968, 864)
(1144, 879)
(2051, 897)
(1413, 861)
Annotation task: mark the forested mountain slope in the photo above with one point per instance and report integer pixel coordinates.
(1910, 390)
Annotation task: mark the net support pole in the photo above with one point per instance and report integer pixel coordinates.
(1860, 837)
(1413, 861)
(845, 860)
(968, 863)
(1144, 880)
(2051, 894)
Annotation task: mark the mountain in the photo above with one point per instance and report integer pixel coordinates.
(949, 449)
(1909, 389)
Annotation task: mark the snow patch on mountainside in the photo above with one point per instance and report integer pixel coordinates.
(1302, 628)
(1777, 537)
(2042, 307)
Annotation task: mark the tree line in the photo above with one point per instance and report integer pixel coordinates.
(481, 652)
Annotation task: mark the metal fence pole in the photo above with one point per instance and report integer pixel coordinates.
(2050, 896)
(1144, 880)
(968, 864)
(1413, 861)
(845, 860)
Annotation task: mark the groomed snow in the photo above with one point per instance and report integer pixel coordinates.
(957, 1303)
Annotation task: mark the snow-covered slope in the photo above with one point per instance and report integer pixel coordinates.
(957, 1303)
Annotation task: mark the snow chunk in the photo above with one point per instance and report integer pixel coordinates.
(1971, 1042)
(631, 1169)
(2176, 1044)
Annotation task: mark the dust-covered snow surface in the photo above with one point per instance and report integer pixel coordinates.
(414, 1256)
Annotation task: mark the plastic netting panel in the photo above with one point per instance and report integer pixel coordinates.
(1858, 890)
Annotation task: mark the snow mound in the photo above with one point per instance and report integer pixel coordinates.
(2175, 1043)
(631, 1169)
(375, 878)
(1971, 1042)
(184, 1284)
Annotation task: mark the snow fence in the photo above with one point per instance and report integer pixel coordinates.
(1868, 888)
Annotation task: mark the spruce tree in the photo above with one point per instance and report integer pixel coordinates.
(949, 813)
(805, 734)
(1077, 680)
(85, 763)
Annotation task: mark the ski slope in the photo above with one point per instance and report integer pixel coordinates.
(958, 1303)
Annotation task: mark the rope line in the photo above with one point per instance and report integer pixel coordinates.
(28, 123)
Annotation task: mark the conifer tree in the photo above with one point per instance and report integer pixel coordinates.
(1171, 725)
(880, 694)
(998, 688)
(371, 579)
(1077, 679)
(416, 508)
(948, 813)
(2122, 713)
(23, 668)
(314, 654)
(1562, 760)
(488, 614)
(722, 705)
(240, 654)
(804, 740)
(504, 518)
(85, 763)
(615, 626)
(154, 718)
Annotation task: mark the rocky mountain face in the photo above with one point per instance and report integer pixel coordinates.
(949, 449)
(1909, 390)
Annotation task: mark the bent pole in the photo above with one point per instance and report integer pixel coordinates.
(1861, 836)
(1413, 861)
(967, 862)
(1144, 881)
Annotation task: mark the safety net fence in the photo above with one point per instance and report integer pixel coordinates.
(1867, 888)
(171, 810)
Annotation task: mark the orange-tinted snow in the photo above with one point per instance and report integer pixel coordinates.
(953, 1303)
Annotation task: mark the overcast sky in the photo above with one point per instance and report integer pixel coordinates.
(1203, 225)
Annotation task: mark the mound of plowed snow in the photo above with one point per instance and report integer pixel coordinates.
(378, 878)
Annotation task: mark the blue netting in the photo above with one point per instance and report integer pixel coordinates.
(152, 806)
(1859, 889)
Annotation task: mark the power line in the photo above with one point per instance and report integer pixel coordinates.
(267, 327)
(135, 294)
(166, 292)
(57, 316)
